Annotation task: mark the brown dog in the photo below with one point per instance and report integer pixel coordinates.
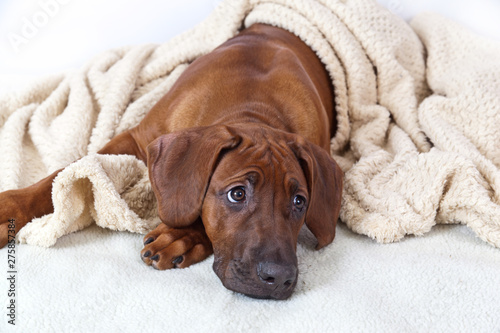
(238, 156)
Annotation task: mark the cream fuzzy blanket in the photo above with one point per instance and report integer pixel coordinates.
(418, 109)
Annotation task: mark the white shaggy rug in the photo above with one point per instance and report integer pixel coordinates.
(94, 281)
(397, 87)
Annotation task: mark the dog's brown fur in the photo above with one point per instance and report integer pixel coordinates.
(238, 156)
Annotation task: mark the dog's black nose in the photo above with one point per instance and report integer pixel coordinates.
(280, 276)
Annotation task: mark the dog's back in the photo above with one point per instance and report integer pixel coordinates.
(262, 71)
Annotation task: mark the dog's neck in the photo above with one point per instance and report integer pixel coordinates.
(255, 112)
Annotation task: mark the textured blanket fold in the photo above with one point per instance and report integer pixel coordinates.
(418, 108)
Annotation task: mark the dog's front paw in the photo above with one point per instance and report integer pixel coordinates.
(166, 247)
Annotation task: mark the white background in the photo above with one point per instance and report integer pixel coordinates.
(70, 32)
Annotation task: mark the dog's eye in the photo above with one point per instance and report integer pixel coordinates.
(299, 202)
(236, 194)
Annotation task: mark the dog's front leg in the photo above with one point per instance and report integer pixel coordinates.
(18, 207)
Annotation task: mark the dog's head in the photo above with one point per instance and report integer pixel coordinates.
(254, 188)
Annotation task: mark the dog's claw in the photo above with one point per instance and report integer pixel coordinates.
(178, 260)
(155, 257)
(149, 240)
(147, 254)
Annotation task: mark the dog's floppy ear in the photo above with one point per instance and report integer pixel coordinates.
(180, 166)
(324, 180)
